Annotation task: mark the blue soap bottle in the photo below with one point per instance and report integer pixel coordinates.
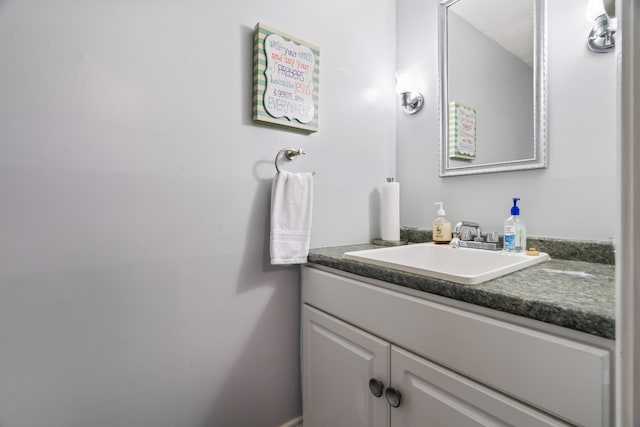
(515, 232)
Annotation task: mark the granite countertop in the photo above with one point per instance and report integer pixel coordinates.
(573, 294)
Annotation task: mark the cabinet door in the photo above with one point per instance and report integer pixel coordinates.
(338, 361)
(437, 397)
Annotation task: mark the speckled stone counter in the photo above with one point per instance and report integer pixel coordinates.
(574, 294)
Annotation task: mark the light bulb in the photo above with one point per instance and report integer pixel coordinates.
(404, 82)
(594, 9)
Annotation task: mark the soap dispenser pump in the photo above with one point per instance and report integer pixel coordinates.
(515, 232)
(441, 226)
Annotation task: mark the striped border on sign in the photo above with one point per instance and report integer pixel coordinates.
(454, 128)
(260, 114)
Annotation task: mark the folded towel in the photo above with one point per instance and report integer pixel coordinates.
(291, 205)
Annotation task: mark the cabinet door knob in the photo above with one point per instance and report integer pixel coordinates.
(393, 397)
(376, 387)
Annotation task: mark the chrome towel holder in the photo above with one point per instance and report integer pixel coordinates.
(290, 154)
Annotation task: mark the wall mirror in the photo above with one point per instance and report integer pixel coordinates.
(493, 113)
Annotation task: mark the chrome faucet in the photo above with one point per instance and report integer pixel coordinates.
(462, 237)
(466, 236)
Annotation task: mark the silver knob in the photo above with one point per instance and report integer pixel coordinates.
(492, 237)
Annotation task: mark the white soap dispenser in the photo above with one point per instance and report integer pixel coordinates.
(441, 226)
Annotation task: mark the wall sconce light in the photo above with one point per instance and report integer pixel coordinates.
(411, 102)
(601, 36)
(410, 99)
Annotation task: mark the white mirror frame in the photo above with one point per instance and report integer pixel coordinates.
(540, 155)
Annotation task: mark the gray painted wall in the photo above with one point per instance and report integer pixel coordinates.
(135, 288)
(576, 196)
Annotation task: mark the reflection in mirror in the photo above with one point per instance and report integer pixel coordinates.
(492, 86)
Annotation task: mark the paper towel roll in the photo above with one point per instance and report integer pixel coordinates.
(390, 215)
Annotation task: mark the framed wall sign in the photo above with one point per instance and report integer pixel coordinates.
(285, 80)
(462, 131)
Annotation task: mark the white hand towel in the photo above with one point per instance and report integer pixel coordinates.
(291, 205)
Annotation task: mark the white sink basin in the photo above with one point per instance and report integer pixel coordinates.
(459, 265)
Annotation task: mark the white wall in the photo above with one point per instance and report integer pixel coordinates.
(135, 288)
(574, 197)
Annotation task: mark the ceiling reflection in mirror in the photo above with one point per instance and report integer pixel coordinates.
(492, 86)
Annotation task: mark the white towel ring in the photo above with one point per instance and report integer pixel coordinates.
(290, 154)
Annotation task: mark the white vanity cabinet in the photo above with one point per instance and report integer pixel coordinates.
(448, 366)
(340, 361)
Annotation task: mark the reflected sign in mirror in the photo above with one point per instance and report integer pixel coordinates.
(492, 86)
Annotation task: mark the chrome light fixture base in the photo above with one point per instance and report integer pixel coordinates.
(411, 102)
(601, 36)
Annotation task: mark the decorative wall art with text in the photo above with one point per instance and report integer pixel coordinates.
(462, 131)
(285, 80)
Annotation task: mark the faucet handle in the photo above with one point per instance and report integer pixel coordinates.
(466, 235)
(492, 237)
